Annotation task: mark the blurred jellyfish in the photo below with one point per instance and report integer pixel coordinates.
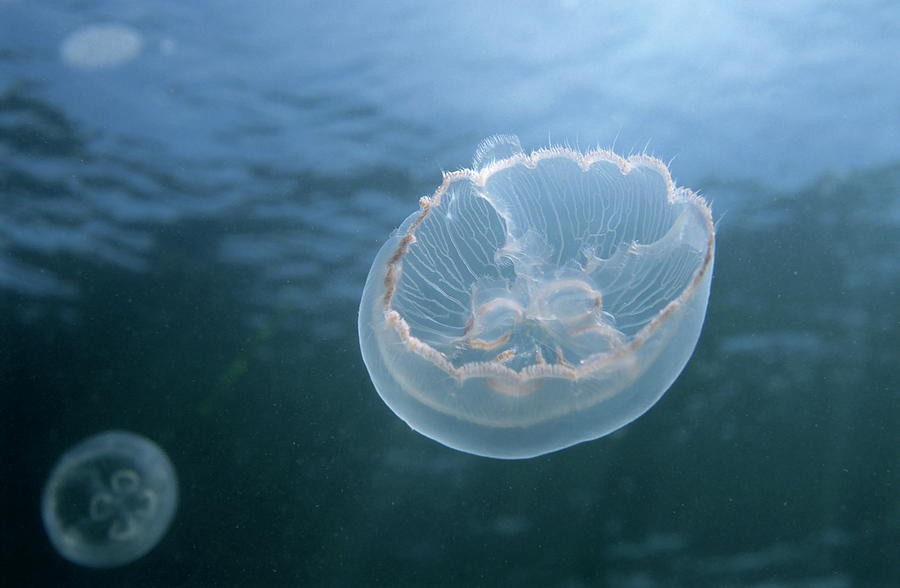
(537, 301)
(101, 46)
(109, 499)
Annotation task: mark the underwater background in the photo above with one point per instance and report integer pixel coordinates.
(189, 208)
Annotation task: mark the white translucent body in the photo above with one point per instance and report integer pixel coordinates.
(109, 499)
(538, 301)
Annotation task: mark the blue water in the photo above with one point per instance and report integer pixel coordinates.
(184, 238)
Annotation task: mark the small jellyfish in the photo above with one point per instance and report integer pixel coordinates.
(537, 301)
(109, 499)
(101, 46)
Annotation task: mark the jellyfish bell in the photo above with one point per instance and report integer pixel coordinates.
(537, 301)
(109, 499)
(101, 46)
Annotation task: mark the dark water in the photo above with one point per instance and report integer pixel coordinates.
(184, 237)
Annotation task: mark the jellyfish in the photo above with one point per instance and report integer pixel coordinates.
(536, 301)
(109, 499)
(101, 46)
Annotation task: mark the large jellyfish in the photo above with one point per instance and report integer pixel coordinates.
(537, 301)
